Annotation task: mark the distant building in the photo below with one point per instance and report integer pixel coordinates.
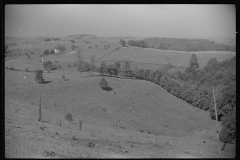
(56, 50)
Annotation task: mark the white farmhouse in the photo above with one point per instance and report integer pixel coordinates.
(56, 50)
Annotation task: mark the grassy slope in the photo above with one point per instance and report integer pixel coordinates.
(149, 108)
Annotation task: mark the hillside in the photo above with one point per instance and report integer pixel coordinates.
(145, 116)
(135, 119)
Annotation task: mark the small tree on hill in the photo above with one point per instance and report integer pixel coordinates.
(126, 68)
(39, 76)
(80, 60)
(123, 43)
(118, 67)
(46, 52)
(103, 68)
(92, 63)
(73, 47)
(51, 51)
(103, 83)
(48, 65)
(193, 61)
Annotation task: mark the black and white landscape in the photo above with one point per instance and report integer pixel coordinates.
(120, 81)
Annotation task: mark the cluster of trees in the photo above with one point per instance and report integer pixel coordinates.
(195, 87)
(106, 46)
(181, 44)
(123, 43)
(138, 43)
(56, 39)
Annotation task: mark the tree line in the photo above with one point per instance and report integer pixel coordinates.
(181, 44)
(193, 86)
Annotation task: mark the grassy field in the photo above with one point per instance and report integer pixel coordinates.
(134, 119)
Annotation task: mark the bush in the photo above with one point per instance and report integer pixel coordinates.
(11, 68)
(59, 66)
(39, 76)
(103, 83)
(75, 65)
(63, 77)
(48, 65)
(26, 70)
(68, 117)
(56, 61)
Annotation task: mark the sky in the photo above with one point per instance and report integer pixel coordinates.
(173, 21)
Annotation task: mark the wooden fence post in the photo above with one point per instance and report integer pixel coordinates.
(80, 125)
(40, 112)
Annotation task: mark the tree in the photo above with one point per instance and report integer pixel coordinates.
(146, 74)
(112, 70)
(92, 60)
(193, 61)
(61, 47)
(72, 41)
(46, 52)
(103, 83)
(52, 51)
(212, 62)
(47, 65)
(39, 76)
(126, 68)
(103, 68)
(73, 47)
(228, 132)
(118, 67)
(123, 43)
(80, 60)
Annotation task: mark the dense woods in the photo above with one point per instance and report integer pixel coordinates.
(181, 44)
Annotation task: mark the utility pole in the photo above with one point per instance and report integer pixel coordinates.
(219, 150)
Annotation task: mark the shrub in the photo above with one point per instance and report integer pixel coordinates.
(90, 47)
(103, 83)
(75, 65)
(26, 70)
(39, 76)
(48, 65)
(59, 66)
(11, 68)
(103, 68)
(68, 117)
(56, 61)
(72, 41)
(46, 52)
(193, 61)
(63, 77)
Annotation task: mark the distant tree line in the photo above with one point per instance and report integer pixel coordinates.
(181, 44)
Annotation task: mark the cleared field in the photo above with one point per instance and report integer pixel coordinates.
(135, 119)
(135, 116)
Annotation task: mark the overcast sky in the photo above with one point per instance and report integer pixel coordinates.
(179, 21)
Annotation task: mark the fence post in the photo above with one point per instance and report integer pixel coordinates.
(40, 112)
(80, 125)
